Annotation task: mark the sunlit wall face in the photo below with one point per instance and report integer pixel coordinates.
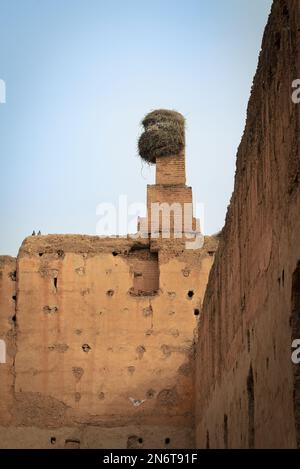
(80, 75)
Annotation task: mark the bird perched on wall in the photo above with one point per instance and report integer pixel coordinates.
(39, 233)
(33, 233)
(136, 402)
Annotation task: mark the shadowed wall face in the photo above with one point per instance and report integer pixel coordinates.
(244, 368)
(295, 325)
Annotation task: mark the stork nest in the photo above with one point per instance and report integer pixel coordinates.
(163, 136)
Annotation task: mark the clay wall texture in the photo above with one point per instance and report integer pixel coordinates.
(126, 343)
(99, 363)
(7, 334)
(247, 393)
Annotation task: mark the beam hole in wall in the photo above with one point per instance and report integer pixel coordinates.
(167, 441)
(52, 440)
(86, 348)
(140, 350)
(225, 429)
(295, 329)
(197, 312)
(60, 253)
(134, 441)
(207, 439)
(190, 294)
(41, 254)
(279, 280)
(115, 253)
(150, 394)
(251, 409)
(13, 275)
(14, 297)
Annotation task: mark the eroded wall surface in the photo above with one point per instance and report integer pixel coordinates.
(247, 389)
(7, 336)
(105, 333)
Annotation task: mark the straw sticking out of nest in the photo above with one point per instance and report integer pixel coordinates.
(163, 136)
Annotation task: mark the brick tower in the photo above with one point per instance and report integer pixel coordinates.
(169, 201)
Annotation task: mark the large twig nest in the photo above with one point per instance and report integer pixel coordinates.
(163, 136)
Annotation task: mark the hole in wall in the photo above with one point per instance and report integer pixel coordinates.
(41, 254)
(13, 275)
(14, 297)
(167, 441)
(282, 278)
(207, 439)
(110, 292)
(50, 309)
(190, 294)
(133, 442)
(140, 440)
(14, 319)
(251, 421)
(140, 350)
(186, 272)
(52, 440)
(55, 282)
(196, 312)
(86, 348)
(60, 253)
(225, 430)
(150, 394)
(115, 253)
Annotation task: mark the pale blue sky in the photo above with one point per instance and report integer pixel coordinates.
(80, 75)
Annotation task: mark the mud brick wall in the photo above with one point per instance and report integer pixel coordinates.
(98, 366)
(8, 293)
(169, 194)
(247, 389)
